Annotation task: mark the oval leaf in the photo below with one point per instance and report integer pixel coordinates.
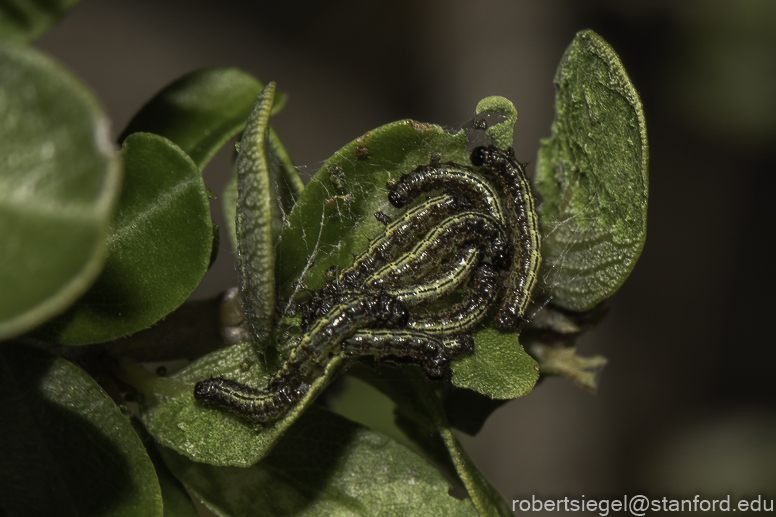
(62, 432)
(592, 174)
(159, 247)
(325, 465)
(200, 111)
(59, 181)
(23, 21)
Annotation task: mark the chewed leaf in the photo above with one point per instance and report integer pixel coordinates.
(205, 434)
(324, 465)
(592, 174)
(501, 131)
(498, 368)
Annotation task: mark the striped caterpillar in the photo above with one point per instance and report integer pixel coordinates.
(524, 223)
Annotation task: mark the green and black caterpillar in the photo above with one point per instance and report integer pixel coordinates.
(420, 288)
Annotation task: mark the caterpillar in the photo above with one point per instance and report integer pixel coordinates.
(449, 176)
(453, 250)
(432, 353)
(466, 314)
(452, 233)
(526, 239)
(307, 360)
(401, 234)
(444, 282)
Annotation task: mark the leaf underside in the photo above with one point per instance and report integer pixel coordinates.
(592, 175)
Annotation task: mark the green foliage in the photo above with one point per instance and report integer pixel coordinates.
(333, 220)
(61, 431)
(324, 465)
(159, 247)
(118, 264)
(58, 188)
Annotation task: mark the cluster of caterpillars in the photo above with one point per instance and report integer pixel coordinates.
(421, 287)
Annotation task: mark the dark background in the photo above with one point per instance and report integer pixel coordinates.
(686, 404)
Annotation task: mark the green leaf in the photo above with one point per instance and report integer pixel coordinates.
(175, 499)
(499, 368)
(23, 21)
(259, 214)
(201, 111)
(159, 247)
(67, 449)
(421, 416)
(333, 220)
(284, 180)
(209, 435)
(59, 182)
(325, 465)
(592, 174)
